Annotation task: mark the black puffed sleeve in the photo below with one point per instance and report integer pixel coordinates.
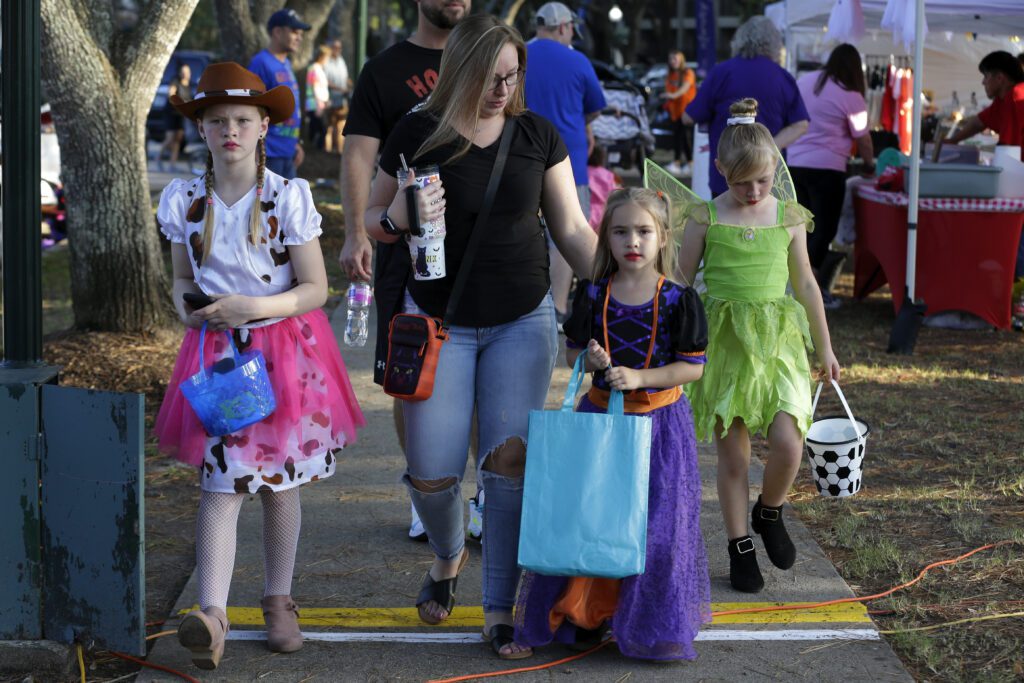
(689, 328)
(578, 328)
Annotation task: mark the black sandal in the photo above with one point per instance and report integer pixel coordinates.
(442, 592)
(502, 635)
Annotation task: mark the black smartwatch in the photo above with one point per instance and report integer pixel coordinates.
(388, 225)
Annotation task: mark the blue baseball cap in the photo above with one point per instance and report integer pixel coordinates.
(286, 17)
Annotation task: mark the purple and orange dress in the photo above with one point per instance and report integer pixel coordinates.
(657, 614)
(317, 412)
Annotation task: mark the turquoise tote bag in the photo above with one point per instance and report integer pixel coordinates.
(585, 494)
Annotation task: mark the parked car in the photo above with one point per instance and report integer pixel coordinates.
(156, 124)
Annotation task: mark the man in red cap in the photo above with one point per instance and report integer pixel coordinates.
(274, 67)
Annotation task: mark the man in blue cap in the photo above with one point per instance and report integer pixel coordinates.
(562, 87)
(273, 66)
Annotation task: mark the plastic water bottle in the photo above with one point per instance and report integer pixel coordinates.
(1017, 319)
(356, 327)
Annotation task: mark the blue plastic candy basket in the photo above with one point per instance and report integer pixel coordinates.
(232, 394)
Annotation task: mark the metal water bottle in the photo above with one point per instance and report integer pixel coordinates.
(357, 326)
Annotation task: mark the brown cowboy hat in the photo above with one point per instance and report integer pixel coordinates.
(230, 83)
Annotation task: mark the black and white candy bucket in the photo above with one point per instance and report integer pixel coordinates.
(835, 448)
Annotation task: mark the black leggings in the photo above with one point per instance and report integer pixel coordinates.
(681, 136)
(822, 191)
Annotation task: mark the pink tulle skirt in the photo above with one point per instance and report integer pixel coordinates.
(316, 407)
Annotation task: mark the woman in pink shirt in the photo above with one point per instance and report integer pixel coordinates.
(834, 97)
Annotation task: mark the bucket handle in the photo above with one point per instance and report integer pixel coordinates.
(846, 406)
(202, 343)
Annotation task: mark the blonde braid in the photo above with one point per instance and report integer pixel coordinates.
(255, 224)
(208, 224)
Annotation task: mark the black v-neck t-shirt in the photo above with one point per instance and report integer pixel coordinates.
(509, 275)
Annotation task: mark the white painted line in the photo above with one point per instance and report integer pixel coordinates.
(790, 634)
(465, 638)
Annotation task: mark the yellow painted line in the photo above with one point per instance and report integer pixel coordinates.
(473, 616)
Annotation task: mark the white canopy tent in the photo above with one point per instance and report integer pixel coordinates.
(984, 17)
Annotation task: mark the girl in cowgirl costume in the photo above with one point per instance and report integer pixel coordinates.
(643, 335)
(247, 238)
(753, 240)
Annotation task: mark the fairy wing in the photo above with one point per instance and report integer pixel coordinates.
(784, 190)
(682, 200)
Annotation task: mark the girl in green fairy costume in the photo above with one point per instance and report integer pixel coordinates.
(753, 240)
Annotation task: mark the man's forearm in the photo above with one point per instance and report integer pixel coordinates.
(355, 189)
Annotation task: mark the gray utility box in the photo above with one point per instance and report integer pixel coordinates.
(957, 180)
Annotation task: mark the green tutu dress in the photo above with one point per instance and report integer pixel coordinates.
(758, 337)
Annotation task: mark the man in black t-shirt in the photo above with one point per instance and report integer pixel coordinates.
(389, 86)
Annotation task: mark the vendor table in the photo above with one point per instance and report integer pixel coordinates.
(966, 249)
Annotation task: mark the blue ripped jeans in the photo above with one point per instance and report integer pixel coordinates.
(505, 371)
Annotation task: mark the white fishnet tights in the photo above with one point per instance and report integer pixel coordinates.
(216, 533)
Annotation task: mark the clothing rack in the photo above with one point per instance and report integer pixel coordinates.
(899, 61)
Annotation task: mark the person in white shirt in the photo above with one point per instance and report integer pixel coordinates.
(340, 85)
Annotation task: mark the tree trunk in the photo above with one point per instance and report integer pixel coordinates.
(243, 33)
(243, 26)
(101, 81)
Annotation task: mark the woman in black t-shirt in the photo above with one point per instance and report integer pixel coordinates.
(502, 341)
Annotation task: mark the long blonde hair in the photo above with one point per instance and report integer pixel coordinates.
(467, 71)
(255, 224)
(654, 203)
(745, 149)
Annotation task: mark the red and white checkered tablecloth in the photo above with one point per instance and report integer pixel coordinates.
(1000, 204)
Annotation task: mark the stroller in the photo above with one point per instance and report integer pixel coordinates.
(622, 126)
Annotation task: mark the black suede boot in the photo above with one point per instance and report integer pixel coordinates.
(767, 521)
(744, 574)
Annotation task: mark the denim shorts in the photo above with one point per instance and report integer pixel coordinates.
(505, 370)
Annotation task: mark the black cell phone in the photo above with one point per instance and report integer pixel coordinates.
(196, 301)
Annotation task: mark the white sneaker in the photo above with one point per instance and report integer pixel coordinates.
(674, 168)
(416, 530)
(475, 530)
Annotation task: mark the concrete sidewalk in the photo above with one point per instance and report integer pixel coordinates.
(354, 556)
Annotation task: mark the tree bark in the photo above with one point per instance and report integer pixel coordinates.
(101, 81)
(243, 26)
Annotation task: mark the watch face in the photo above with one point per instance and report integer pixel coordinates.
(389, 227)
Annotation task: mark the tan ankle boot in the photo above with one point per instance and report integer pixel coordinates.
(203, 633)
(282, 618)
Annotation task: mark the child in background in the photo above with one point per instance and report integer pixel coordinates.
(247, 238)
(652, 336)
(602, 181)
(758, 378)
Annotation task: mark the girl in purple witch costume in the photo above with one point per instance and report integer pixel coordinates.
(645, 336)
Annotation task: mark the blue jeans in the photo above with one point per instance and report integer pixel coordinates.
(282, 166)
(504, 371)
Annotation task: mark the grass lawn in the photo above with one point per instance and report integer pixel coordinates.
(944, 471)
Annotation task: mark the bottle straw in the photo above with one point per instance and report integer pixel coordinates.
(405, 167)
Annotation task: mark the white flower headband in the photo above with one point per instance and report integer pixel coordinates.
(740, 120)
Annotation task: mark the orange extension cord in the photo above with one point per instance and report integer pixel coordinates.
(749, 610)
(550, 665)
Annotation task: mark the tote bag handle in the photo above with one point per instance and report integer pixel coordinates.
(846, 406)
(615, 399)
(202, 345)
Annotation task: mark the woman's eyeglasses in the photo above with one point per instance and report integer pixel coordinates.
(510, 81)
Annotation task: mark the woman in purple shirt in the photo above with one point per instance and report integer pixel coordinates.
(817, 161)
(753, 71)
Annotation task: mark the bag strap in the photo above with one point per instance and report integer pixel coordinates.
(846, 406)
(616, 400)
(202, 345)
(485, 212)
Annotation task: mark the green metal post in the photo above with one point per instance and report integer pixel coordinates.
(22, 266)
(361, 21)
